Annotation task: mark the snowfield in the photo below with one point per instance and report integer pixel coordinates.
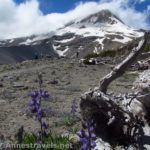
(59, 52)
(102, 30)
(115, 32)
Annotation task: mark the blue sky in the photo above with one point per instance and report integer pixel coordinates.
(49, 6)
(142, 6)
(28, 17)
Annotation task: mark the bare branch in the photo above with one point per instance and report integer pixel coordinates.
(121, 68)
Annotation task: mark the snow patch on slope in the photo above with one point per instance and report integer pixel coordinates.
(100, 41)
(12, 40)
(66, 40)
(95, 50)
(59, 52)
(85, 32)
(35, 40)
(124, 40)
(27, 42)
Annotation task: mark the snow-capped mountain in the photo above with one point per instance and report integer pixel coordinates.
(97, 32)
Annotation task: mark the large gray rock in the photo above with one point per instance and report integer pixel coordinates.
(142, 83)
(142, 86)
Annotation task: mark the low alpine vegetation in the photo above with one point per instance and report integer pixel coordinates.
(45, 138)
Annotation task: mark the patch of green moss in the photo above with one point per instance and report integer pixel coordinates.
(91, 55)
(108, 53)
(147, 48)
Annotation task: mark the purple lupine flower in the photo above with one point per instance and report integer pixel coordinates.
(34, 94)
(83, 140)
(87, 137)
(91, 129)
(84, 147)
(35, 106)
(32, 105)
(40, 114)
(93, 144)
(44, 125)
(81, 133)
(44, 94)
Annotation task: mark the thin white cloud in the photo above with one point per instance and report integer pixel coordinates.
(142, 1)
(27, 19)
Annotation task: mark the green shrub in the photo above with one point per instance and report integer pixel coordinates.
(74, 130)
(68, 121)
(108, 53)
(147, 48)
(92, 55)
(105, 53)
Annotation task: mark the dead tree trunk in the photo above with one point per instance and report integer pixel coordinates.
(114, 122)
(120, 69)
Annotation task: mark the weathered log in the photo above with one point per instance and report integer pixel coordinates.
(121, 68)
(117, 121)
(114, 124)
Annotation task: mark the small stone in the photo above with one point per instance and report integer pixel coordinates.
(1, 85)
(68, 83)
(25, 88)
(20, 113)
(47, 82)
(24, 117)
(53, 72)
(18, 85)
(74, 138)
(28, 81)
(54, 82)
(2, 101)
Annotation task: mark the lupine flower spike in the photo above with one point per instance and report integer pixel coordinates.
(87, 137)
(35, 106)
